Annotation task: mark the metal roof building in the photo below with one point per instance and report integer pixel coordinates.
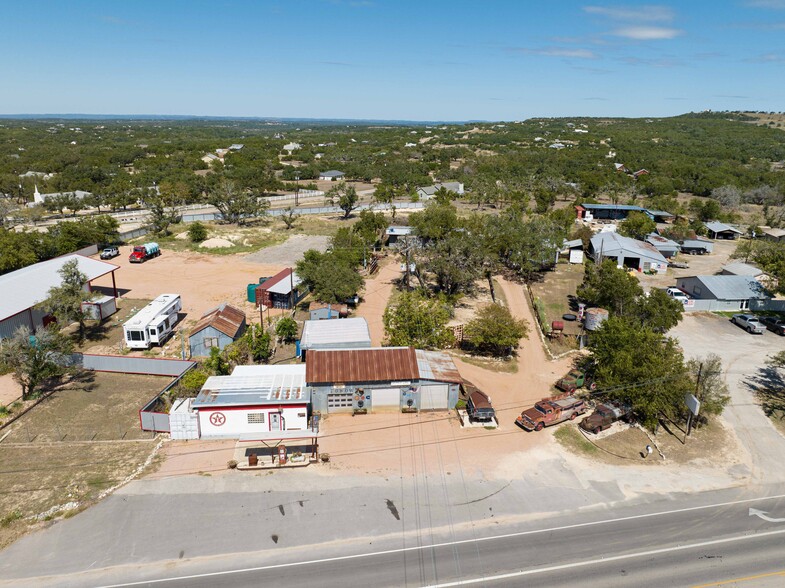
(24, 288)
(741, 269)
(719, 230)
(349, 333)
(736, 290)
(628, 252)
(217, 328)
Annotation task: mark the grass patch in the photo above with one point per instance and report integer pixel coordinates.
(12, 516)
(572, 439)
(504, 366)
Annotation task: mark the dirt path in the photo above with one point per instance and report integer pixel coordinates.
(9, 390)
(536, 374)
(377, 294)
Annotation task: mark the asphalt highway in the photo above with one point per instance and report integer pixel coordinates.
(716, 538)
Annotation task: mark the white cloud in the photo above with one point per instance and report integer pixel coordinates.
(640, 33)
(767, 58)
(567, 52)
(646, 13)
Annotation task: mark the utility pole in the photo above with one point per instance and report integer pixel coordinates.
(297, 190)
(697, 395)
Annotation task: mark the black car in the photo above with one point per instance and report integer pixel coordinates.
(774, 324)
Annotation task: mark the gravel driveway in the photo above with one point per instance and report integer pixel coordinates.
(743, 357)
(289, 252)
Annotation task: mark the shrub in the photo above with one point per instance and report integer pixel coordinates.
(197, 232)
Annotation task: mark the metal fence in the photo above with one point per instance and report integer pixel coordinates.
(133, 365)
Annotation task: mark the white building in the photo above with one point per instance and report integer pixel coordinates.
(256, 402)
(348, 333)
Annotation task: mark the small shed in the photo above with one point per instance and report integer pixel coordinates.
(217, 328)
(664, 245)
(396, 232)
(100, 308)
(350, 333)
(574, 250)
(280, 291)
(254, 402)
(319, 311)
(719, 230)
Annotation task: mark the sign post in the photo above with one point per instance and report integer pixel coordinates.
(694, 405)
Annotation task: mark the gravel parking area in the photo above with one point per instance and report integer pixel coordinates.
(290, 252)
(744, 360)
(700, 265)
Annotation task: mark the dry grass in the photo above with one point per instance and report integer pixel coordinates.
(557, 291)
(101, 337)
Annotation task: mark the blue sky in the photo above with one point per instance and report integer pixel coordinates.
(392, 59)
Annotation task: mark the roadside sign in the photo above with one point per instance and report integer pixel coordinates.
(692, 403)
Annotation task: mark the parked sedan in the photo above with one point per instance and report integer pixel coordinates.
(774, 324)
(748, 322)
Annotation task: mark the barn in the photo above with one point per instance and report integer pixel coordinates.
(23, 289)
(380, 379)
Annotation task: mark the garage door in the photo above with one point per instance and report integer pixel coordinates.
(386, 398)
(339, 402)
(433, 397)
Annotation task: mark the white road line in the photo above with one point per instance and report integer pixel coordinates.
(459, 542)
(579, 564)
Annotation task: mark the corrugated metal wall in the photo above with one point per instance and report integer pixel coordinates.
(9, 325)
(134, 365)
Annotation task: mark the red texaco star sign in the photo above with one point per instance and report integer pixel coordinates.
(217, 419)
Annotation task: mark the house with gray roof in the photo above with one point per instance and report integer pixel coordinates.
(332, 175)
(718, 230)
(722, 293)
(427, 192)
(627, 252)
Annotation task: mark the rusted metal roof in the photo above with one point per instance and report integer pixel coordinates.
(434, 365)
(378, 364)
(226, 318)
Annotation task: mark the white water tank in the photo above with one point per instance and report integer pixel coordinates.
(594, 318)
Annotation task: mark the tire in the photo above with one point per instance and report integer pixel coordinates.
(597, 430)
(749, 330)
(540, 426)
(733, 320)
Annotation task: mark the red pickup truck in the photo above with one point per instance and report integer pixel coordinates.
(550, 411)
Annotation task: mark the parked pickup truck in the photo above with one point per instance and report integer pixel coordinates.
(574, 380)
(604, 416)
(550, 411)
(774, 324)
(748, 322)
(479, 407)
(110, 252)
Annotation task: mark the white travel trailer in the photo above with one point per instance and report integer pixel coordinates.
(154, 323)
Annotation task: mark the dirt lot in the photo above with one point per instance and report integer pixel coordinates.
(557, 292)
(75, 444)
(378, 290)
(700, 265)
(105, 408)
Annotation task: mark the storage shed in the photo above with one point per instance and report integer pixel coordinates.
(350, 333)
(280, 291)
(381, 379)
(719, 230)
(100, 308)
(667, 247)
(320, 311)
(217, 328)
(255, 402)
(396, 232)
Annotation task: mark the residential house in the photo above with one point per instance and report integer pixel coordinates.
(427, 192)
(332, 175)
(627, 252)
(217, 328)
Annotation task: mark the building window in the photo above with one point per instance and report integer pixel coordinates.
(211, 341)
(136, 335)
(255, 418)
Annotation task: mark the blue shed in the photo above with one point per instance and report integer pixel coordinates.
(217, 328)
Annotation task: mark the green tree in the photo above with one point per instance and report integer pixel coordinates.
(435, 222)
(35, 357)
(706, 209)
(197, 232)
(289, 217)
(495, 331)
(640, 367)
(238, 206)
(637, 225)
(709, 380)
(191, 383)
(331, 276)
(370, 227)
(344, 197)
(65, 301)
(657, 311)
(286, 329)
(415, 320)
(610, 287)
(455, 261)
(217, 363)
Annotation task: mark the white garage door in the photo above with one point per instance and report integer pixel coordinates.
(339, 402)
(433, 397)
(386, 398)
